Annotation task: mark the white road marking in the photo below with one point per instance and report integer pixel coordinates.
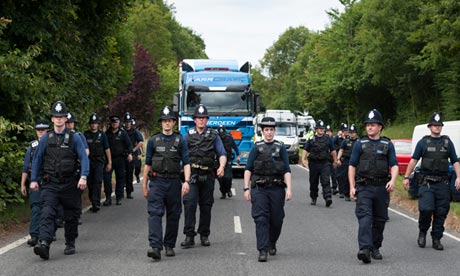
(237, 222)
(233, 191)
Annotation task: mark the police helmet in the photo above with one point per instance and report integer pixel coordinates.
(435, 120)
(200, 112)
(114, 118)
(267, 122)
(343, 127)
(71, 118)
(41, 124)
(94, 119)
(329, 128)
(58, 109)
(134, 123)
(128, 117)
(221, 129)
(320, 124)
(374, 116)
(352, 128)
(167, 113)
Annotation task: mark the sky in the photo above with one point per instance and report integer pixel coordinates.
(245, 29)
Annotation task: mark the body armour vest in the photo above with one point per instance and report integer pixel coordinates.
(132, 136)
(373, 162)
(338, 142)
(166, 158)
(60, 160)
(95, 145)
(348, 148)
(268, 161)
(117, 145)
(436, 157)
(201, 147)
(319, 148)
(227, 141)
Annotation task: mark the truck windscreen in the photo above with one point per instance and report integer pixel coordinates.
(220, 101)
(286, 130)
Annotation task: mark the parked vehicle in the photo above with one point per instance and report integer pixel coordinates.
(403, 148)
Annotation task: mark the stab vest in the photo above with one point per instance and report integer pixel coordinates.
(268, 161)
(117, 145)
(60, 160)
(166, 157)
(227, 141)
(319, 148)
(95, 145)
(201, 147)
(349, 148)
(373, 162)
(436, 157)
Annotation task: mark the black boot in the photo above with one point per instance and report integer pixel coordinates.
(223, 196)
(154, 253)
(437, 244)
(263, 256)
(188, 242)
(107, 202)
(205, 241)
(313, 201)
(376, 255)
(69, 248)
(328, 202)
(42, 249)
(421, 241)
(32, 241)
(169, 252)
(272, 250)
(364, 255)
(129, 195)
(230, 194)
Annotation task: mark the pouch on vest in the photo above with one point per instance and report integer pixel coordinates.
(157, 163)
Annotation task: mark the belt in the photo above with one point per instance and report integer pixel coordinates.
(164, 175)
(201, 167)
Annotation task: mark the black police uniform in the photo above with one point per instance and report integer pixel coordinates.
(203, 148)
(120, 147)
(136, 137)
(433, 181)
(372, 159)
(342, 170)
(225, 182)
(320, 148)
(97, 144)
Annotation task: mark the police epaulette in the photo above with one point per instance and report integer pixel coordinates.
(278, 142)
(384, 137)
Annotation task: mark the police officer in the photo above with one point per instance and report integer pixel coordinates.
(269, 175)
(318, 150)
(225, 182)
(41, 127)
(166, 153)
(100, 158)
(334, 183)
(434, 191)
(370, 185)
(204, 146)
(342, 134)
(138, 142)
(57, 155)
(343, 158)
(121, 149)
(137, 162)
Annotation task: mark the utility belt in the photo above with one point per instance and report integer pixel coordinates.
(164, 175)
(200, 167)
(268, 182)
(319, 161)
(61, 179)
(372, 181)
(423, 179)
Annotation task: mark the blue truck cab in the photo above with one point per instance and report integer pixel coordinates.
(225, 89)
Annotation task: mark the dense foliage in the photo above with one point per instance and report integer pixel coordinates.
(401, 57)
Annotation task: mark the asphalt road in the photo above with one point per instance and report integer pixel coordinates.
(315, 240)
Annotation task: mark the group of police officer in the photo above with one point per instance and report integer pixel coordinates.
(60, 165)
(369, 162)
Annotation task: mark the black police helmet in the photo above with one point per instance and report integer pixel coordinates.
(329, 128)
(128, 117)
(267, 122)
(94, 119)
(114, 118)
(352, 128)
(374, 116)
(42, 124)
(343, 126)
(320, 124)
(71, 118)
(200, 112)
(435, 120)
(221, 129)
(58, 109)
(167, 113)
